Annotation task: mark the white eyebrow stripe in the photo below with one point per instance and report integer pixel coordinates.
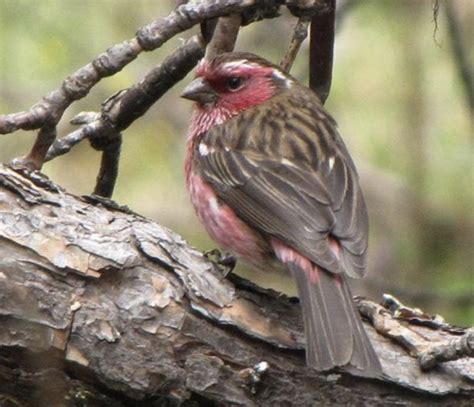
(236, 64)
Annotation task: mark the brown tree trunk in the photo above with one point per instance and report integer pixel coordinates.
(99, 306)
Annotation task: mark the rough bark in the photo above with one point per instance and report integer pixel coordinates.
(100, 306)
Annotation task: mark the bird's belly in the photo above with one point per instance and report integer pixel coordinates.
(223, 225)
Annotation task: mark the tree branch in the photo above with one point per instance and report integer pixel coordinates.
(466, 72)
(321, 45)
(300, 33)
(46, 114)
(321, 50)
(118, 308)
(224, 36)
(122, 109)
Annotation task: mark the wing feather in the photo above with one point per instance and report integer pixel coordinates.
(283, 190)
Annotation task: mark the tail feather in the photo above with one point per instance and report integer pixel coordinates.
(364, 356)
(334, 332)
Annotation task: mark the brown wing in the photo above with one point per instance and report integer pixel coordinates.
(289, 175)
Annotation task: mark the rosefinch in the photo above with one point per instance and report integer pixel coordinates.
(273, 183)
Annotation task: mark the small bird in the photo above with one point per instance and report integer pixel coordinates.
(273, 183)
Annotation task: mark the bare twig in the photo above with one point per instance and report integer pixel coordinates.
(125, 107)
(50, 109)
(305, 9)
(46, 114)
(122, 109)
(207, 29)
(321, 50)
(108, 172)
(299, 35)
(36, 157)
(428, 342)
(118, 112)
(435, 6)
(466, 71)
(91, 124)
(455, 349)
(225, 35)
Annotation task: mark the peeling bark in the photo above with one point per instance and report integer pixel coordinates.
(101, 306)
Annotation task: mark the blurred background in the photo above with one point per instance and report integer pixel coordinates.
(396, 95)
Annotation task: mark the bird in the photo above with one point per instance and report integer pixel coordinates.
(273, 183)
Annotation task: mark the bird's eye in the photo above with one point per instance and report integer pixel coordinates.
(234, 83)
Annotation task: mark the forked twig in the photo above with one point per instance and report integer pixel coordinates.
(45, 114)
(121, 110)
(104, 129)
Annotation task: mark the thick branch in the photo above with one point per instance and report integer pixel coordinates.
(148, 38)
(321, 50)
(100, 295)
(122, 109)
(46, 114)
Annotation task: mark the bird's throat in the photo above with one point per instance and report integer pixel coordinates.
(207, 117)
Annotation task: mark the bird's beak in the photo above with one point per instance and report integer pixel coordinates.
(200, 91)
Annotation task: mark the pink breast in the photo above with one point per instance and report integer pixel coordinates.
(223, 225)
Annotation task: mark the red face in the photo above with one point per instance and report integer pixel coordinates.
(224, 87)
(238, 84)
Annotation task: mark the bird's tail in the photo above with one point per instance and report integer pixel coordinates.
(334, 332)
(335, 336)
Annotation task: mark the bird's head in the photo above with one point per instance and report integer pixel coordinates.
(233, 82)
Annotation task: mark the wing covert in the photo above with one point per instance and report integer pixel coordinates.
(277, 189)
